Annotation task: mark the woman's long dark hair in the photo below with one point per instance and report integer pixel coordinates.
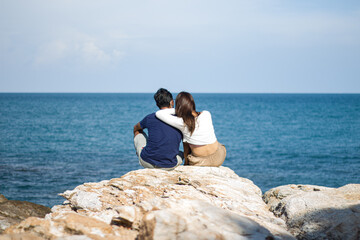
(184, 106)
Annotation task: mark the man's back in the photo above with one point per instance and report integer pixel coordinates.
(162, 144)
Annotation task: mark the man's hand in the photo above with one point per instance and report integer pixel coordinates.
(137, 129)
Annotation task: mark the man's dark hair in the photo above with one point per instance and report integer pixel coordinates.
(163, 98)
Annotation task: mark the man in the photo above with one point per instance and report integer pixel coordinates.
(161, 148)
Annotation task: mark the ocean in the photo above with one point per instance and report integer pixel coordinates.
(50, 143)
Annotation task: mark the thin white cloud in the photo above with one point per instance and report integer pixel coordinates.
(93, 54)
(79, 47)
(51, 52)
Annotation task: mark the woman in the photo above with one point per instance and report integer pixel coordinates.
(201, 147)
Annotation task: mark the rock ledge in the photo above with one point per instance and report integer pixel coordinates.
(195, 203)
(315, 212)
(187, 203)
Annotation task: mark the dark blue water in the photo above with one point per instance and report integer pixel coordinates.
(53, 142)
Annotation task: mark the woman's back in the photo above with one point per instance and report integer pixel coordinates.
(204, 132)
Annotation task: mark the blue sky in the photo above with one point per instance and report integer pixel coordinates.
(254, 46)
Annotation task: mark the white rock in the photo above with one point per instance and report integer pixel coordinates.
(187, 203)
(74, 237)
(313, 212)
(86, 200)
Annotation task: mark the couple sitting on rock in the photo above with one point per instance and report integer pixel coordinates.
(168, 126)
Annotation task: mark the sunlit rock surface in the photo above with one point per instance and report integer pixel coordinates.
(187, 203)
(314, 212)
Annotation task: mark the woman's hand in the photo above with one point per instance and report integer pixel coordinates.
(187, 151)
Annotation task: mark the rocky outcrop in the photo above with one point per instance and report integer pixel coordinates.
(314, 212)
(192, 203)
(187, 203)
(12, 211)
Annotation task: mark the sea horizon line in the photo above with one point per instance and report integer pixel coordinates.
(279, 93)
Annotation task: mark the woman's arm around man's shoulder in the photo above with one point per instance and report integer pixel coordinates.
(167, 116)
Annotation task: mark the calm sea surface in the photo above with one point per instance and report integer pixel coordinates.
(50, 143)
